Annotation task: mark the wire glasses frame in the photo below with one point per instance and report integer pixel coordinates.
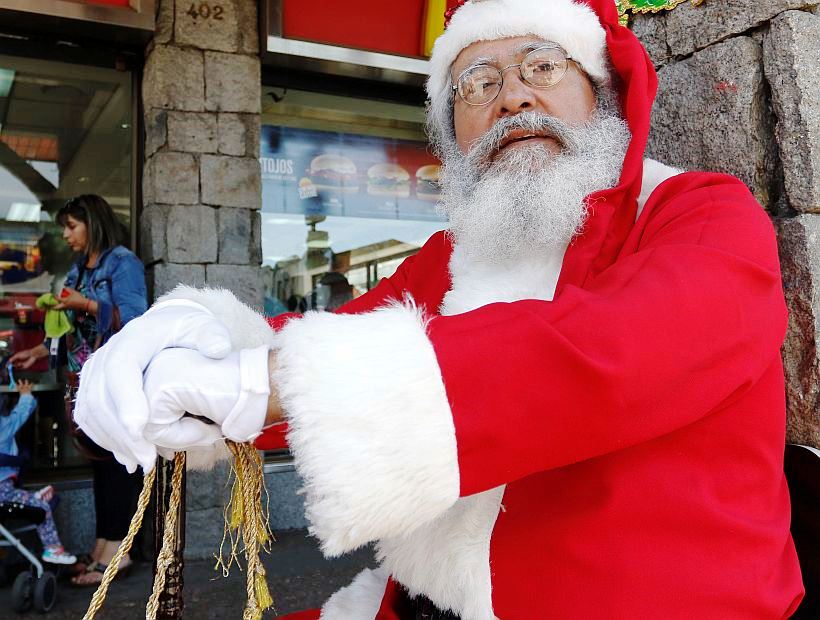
(542, 67)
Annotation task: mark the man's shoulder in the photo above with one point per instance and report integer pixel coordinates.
(666, 188)
(437, 248)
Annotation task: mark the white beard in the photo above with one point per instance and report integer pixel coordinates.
(529, 200)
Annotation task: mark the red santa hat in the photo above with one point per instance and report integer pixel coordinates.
(572, 25)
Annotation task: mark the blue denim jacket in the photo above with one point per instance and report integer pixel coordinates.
(9, 425)
(118, 281)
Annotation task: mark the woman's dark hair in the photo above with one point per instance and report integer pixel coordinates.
(103, 229)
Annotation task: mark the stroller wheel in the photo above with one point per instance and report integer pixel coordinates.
(22, 592)
(45, 592)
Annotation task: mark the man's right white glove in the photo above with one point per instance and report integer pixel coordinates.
(232, 393)
(111, 407)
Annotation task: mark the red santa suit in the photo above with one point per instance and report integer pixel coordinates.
(595, 432)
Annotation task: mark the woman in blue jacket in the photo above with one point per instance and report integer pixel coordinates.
(104, 289)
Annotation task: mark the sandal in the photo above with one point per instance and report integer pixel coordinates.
(93, 575)
(84, 561)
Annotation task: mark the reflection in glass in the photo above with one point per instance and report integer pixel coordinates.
(349, 190)
(65, 130)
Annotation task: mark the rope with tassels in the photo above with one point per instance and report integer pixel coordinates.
(246, 524)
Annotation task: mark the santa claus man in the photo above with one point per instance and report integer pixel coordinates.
(569, 406)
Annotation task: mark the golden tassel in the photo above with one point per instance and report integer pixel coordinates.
(246, 520)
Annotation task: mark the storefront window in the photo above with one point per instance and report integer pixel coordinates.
(349, 190)
(65, 130)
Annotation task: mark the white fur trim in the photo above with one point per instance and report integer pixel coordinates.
(477, 284)
(204, 459)
(654, 173)
(358, 601)
(370, 426)
(248, 330)
(573, 25)
(448, 560)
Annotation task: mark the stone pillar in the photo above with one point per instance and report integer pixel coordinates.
(201, 182)
(202, 192)
(739, 92)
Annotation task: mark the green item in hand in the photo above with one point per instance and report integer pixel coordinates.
(57, 321)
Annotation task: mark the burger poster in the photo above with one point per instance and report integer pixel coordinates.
(324, 173)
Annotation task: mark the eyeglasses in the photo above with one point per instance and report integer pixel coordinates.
(543, 67)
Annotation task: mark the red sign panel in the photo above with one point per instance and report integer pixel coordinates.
(124, 3)
(391, 27)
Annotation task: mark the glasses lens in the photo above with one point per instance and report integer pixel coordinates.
(479, 84)
(544, 67)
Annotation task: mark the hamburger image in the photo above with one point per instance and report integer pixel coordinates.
(388, 180)
(335, 173)
(427, 186)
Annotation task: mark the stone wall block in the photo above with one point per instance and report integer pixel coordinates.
(174, 78)
(239, 134)
(710, 114)
(206, 489)
(156, 130)
(232, 135)
(191, 234)
(153, 222)
(235, 236)
(193, 132)
(256, 238)
(690, 28)
(227, 25)
(231, 181)
(172, 178)
(164, 277)
(791, 54)
(164, 29)
(288, 512)
(233, 83)
(208, 525)
(148, 182)
(651, 30)
(799, 244)
(247, 17)
(207, 26)
(244, 280)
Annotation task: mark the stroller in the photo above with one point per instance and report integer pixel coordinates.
(34, 586)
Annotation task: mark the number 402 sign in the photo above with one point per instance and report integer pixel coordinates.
(206, 10)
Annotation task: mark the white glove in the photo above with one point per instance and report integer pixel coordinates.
(111, 407)
(231, 392)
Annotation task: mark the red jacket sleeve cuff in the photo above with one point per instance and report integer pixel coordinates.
(273, 438)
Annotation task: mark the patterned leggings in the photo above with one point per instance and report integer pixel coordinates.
(46, 530)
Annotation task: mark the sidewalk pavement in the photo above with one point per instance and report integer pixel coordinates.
(298, 575)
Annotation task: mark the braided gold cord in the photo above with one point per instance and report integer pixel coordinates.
(251, 522)
(169, 537)
(125, 546)
(246, 523)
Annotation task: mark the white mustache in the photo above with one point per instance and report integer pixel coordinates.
(542, 125)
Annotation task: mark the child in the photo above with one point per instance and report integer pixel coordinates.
(10, 423)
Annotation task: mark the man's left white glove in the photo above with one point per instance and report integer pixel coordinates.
(110, 406)
(232, 393)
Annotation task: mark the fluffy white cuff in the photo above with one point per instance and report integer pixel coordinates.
(573, 25)
(248, 330)
(370, 426)
(358, 601)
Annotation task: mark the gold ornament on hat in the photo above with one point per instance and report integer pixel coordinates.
(625, 7)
